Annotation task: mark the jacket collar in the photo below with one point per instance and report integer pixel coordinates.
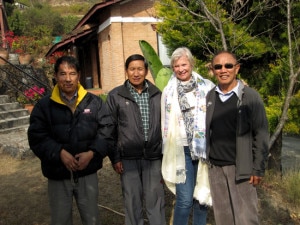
(240, 90)
(152, 89)
(55, 95)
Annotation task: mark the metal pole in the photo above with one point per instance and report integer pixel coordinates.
(2, 28)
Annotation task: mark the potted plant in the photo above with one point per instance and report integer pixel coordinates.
(24, 46)
(31, 96)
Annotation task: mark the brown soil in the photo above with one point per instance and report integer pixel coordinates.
(23, 197)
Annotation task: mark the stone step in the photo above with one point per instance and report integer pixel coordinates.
(9, 106)
(13, 114)
(14, 130)
(4, 99)
(14, 122)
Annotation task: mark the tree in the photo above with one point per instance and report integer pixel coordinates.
(213, 25)
(41, 22)
(294, 70)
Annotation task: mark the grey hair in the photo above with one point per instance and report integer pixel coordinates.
(182, 51)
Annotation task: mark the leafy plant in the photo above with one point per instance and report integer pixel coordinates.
(31, 95)
(103, 97)
(160, 74)
(7, 40)
(23, 45)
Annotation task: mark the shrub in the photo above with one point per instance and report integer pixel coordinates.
(31, 95)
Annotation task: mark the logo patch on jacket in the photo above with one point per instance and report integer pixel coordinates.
(87, 111)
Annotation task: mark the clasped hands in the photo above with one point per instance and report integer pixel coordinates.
(78, 162)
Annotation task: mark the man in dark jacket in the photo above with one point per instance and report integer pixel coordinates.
(237, 144)
(135, 108)
(68, 133)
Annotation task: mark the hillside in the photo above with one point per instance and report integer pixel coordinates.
(56, 3)
(68, 2)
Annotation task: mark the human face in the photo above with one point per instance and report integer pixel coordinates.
(226, 76)
(136, 73)
(67, 79)
(182, 68)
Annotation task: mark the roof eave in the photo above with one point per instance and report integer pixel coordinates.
(81, 23)
(67, 41)
(93, 10)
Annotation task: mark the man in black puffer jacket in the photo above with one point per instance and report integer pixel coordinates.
(68, 131)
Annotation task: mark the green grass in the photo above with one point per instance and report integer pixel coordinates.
(288, 184)
(291, 186)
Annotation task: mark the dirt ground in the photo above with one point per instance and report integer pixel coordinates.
(23, 197)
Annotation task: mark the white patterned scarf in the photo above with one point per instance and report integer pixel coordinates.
(173, 167)
(195, 126)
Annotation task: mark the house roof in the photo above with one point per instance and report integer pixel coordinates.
(85, 26)
(94, 9)
(70, 38)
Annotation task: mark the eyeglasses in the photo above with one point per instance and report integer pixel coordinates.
(227, 66)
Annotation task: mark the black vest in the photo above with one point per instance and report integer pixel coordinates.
(223, 132)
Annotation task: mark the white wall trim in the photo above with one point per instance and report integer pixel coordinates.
(119, 19)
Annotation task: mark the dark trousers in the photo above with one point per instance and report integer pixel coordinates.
(85, 192)
(142, 180)
(234, 203)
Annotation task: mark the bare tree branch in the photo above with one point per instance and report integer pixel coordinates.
(292, 80)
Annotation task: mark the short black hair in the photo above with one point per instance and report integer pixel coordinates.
(224, 51)
(135, 57)
(72, 61)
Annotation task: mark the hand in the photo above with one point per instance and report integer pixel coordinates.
(84, 159)
(69, 160)
(255, 180)
(118, 167)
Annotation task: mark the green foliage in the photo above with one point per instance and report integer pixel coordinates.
(275, 80)
(292, 125)
(69, 22)
(28, 2)
(103, 97)
(154, 63)
(16, 22)
(274, 110)
(42, 22)
(74, 9)
(160, 74)
(43, 17)
(37, 21)
(163, 78)
(182, 27)
(202, 68)
(9, 8)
